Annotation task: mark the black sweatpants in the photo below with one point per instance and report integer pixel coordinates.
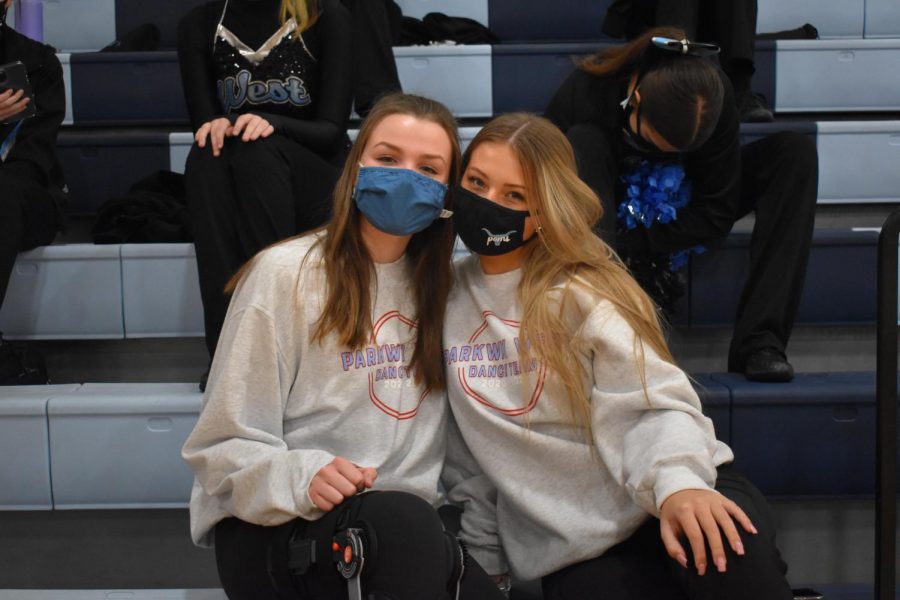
(28, 218)
(730, 24)
(374, 67)
(640, 569)
(413, 559)
(250, 196)
(779, 183)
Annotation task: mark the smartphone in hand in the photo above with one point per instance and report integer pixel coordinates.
(14, 76)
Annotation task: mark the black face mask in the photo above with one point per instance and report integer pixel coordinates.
(485, 227)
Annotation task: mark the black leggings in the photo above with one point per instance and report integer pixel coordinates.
(640, 569)
(414, 559)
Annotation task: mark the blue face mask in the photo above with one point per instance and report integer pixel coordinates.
(399, 201)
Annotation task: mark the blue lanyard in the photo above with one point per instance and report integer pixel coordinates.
(8, 143)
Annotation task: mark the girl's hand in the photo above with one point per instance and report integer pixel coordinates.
(12, 103)
(253, 126)
(338, 480)
(699, 513)
(216, 130)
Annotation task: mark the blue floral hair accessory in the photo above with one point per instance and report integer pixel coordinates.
(655, 192)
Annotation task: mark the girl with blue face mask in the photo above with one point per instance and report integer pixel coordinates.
(324, 419)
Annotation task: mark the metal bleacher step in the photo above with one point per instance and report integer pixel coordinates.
(151, 290)
(821, 76)
(88, 25)
(118, 446)
(856, 158)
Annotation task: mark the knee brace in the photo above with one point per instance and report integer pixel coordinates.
(352, 550)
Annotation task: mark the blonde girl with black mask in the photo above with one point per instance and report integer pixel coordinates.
(328, 383)
(582, 456)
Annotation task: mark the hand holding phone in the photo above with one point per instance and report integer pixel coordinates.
(16, 96)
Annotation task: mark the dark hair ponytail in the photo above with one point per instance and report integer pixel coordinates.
(681, 95)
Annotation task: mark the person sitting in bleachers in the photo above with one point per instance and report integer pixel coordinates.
(730, 24)
(269, 91)
(32, 189)
(655, 113)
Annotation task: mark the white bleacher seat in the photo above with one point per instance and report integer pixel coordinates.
(25, 468)
(458, 76)
(472, 9)
(119, 445)
(160, 291)
(833, 75)
(882, 19)
(71, 291)
(858, 161)
(840, 19)
(79, 25)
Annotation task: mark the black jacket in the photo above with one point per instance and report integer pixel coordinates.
(33, 156)
(714, 169)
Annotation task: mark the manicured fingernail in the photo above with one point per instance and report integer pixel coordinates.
(701, 569)
(739, 548)
(720, 564)
(753, 529)
(682, 560)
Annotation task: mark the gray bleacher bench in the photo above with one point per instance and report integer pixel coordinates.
(119, 445)
(24, 446)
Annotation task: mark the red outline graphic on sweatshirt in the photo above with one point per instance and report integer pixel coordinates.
(471, 393)
(393, 412)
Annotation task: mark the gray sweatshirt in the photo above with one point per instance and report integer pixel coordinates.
(279, 407)
(535, 497)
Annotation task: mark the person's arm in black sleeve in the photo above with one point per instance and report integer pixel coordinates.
(33, 155)
(561, 109)
(195, 38)
(326, 132)
(714, 172)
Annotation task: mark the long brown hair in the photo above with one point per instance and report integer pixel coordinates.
(681, 95)
(348, 266)
(567, 252)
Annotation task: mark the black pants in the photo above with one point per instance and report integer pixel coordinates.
(730, 24)
(779, 183)
(250, 196)
(413, 560)
(374, 68)
(640, 569)
(28, 219)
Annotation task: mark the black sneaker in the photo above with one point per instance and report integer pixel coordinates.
(753, 108)
(19, 365)
(768, 365)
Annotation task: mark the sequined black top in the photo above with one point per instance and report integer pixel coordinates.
(301, 86)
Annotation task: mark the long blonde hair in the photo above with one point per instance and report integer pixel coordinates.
(567, 251)
(304, 12)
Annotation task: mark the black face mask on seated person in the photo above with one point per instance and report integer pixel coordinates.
(485, 227)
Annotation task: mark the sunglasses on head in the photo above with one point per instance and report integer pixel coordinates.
(684, 46)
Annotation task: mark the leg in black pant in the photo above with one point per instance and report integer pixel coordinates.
(779, 181)
(639, 568)
(413, 560)
(374, 70)
(28, 219)
(252, 195)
